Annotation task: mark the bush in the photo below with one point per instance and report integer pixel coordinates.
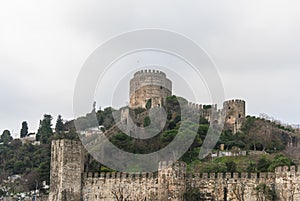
(280, 160)
(263, 164)
(193, 195)
(231, 166)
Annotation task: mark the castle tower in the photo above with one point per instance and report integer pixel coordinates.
(235, 114)
(149, 88)
(172, 180)
(66, 170)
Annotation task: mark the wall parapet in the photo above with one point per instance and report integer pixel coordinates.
(64, 142)
(201, 106)
(119, 175)
(231, 175)
(201, 176)
(287, 170)
(235, 101)
(148, 71)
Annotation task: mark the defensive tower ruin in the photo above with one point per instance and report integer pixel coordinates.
(149, 88)
(235, 114)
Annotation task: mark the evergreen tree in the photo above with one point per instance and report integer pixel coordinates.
(24, 129)
(45, 130)
(6, 137)
(59, 127)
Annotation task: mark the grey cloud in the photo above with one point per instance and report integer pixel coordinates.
(43, 45)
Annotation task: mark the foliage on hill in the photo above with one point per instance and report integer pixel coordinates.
(250, 163)
(30, 161)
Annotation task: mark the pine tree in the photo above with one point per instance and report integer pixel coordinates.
(45, 130)
(6, 137)
(24, 129)
(59, 127)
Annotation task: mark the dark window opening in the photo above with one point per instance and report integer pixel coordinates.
(225, 194)
(148, 104)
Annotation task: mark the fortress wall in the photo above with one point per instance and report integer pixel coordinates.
(69, 182)
(200, 106)
(288, 182)
(212, 185)
(110, 186)
(172, 180)
(235, 185)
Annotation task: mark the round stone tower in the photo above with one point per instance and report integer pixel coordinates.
(149, 88)
(235, 114)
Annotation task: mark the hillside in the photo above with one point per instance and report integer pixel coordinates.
(266, 144)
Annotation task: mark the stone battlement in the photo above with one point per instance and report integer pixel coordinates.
(229, 175)
(170, 164)
(200, 106)
(236, 101)
(119, 175)
(64, 142)
(200, 176)
(147, 72)
(286, 169)
(215, 106)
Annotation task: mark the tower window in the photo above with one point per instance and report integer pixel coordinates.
(161, 87)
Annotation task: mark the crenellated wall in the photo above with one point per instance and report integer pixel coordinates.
(171, 182)
(204, 110)
(287, 182)
(111, 186)
(233, 186)
(235, 113)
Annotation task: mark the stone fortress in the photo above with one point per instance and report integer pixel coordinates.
(148, 88)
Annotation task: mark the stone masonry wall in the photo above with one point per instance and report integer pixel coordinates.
(149, 84)
(287, 182)
(235, 114)
(231, 186)
(114, 186)
(69, 182)
(66, 170)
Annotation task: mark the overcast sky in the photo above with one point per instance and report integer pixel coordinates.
(43, 45)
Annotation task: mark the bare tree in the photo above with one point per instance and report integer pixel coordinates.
(119, 195)
(265, 192)
(287, 194)
(239, 190)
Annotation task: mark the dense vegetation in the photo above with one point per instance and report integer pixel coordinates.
(30, 161)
